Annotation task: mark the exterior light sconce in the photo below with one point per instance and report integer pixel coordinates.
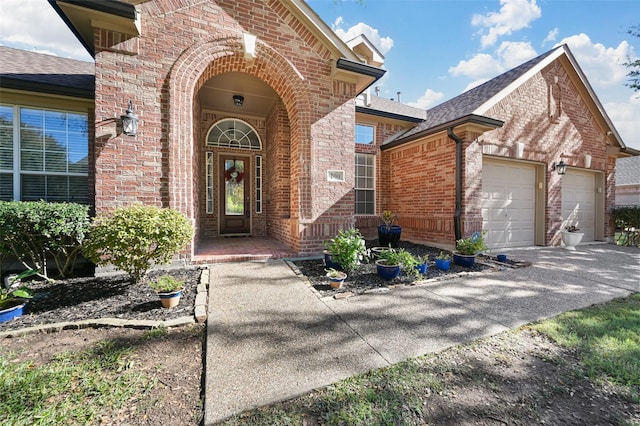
(129, 121)
(238, 100)
(560, 167)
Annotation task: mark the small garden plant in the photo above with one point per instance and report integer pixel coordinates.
(402, 257)
(348, 249)
(472, 245)
(166, 284)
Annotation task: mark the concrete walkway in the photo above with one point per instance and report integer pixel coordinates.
(270, 337)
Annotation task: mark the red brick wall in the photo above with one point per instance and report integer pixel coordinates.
(182, 46)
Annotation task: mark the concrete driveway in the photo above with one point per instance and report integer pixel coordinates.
(270, 337)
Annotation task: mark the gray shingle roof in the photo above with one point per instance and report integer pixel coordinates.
(23, 70)
(465, 104)
(387, 105)
(628, 171)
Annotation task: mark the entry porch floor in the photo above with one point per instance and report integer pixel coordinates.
(240, 249)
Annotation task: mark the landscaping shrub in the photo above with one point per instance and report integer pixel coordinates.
(34, 231)
(133, 238)
(347, 249)
(627, 217)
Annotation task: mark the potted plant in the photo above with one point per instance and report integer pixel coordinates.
(423, 264)
(347, 250)
(389, 233)
(12, 302)
(336, 278)
(169, 290)
(468, 248)
(443, 261)
(390, 262)
(571, 237)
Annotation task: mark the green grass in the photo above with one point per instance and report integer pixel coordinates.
(74, 388)
(605, 338)
(607, 341)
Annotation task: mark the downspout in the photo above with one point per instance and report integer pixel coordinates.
(457, 216)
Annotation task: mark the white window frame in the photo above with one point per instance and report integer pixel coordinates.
(17, 167)
(373, 182)
(373, 134)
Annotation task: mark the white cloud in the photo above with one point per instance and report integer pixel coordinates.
(625, 117)
(514, 15)
(34, 25)
(513, 53)
(383, 44)
(551, 37)
(428, 99)
(479, 66)
(602, 65)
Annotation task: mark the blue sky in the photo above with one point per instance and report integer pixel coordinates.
(436, 49)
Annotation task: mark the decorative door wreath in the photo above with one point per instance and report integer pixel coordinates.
(231, 175)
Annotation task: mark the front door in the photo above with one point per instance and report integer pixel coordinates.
(235, 201)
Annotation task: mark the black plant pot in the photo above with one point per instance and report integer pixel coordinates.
(389, 236)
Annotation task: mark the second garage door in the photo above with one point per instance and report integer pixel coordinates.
(579, 201)
(508, 203)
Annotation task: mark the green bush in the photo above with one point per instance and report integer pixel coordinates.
(347, 249)
(133, 238)
(472, 245)
(627, 217)
(34, 231)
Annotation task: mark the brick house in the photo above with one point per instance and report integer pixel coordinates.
(247, 123)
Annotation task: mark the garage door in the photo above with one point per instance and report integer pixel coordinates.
(508, 204)
(579, 202)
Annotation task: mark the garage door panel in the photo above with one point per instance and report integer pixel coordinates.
(508, 204)
(579, 202)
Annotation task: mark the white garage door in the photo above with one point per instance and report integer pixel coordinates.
(508, 204)
(579, 202)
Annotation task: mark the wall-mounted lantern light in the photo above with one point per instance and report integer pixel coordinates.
(560, 167)
(238, 100)
(129, 121)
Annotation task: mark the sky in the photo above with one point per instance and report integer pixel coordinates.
(436, 49)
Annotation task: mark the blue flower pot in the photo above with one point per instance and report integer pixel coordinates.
(385, 272)
(443, 264)
(389, 236)
(464, 260)
(12, 312)
(329, 263)
(422, 268)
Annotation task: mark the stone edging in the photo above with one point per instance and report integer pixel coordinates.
(200, 316)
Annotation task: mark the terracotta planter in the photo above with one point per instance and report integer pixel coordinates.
(571, 239)
(337, 281)
(170, 299)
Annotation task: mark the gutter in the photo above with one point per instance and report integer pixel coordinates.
(457, 215)
(360, 68)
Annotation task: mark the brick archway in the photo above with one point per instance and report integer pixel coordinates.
(193, 68)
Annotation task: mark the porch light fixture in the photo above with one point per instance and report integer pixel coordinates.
(129, 121)
(560, 167)
(238, 100)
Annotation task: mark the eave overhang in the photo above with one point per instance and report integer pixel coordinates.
(81, 16)
(385, 114)
(47, 88)
(361, 74)
(471, 122)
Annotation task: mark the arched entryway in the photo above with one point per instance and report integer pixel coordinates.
(214, 84)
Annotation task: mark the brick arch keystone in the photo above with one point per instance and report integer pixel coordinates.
(191, 70)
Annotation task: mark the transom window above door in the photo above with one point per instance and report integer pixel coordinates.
(233, 133)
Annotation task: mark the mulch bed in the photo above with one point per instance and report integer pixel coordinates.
(366, 279)
(103, 297)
